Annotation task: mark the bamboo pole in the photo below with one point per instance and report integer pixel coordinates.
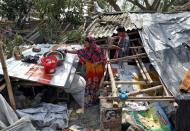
(142, 55)
(103, 77)
(144, 90)
(144, 98)
(6, 76)
(165, 90)
(136, 47)
(113, 85)
(125, 82)
(140, 69)
(145, 71)
(131, 82)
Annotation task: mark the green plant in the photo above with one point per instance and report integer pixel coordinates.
(9, 44)
(16, 10)
(75, 36)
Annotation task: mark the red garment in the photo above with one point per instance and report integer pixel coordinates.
(94, 74)
(93, 54)
(122, 35)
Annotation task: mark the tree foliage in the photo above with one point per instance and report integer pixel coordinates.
(54, 13)
(16, 10)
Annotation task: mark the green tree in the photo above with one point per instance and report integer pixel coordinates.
(16, 10)
(54, 13)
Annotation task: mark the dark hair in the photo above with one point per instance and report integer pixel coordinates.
(120, 29)
(87, 39)
(90, 39)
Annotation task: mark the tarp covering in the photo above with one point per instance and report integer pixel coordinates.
(47, 115)
(163, 37)
(9, 120)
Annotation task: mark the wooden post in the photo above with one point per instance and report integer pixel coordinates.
(113, 85)
(6, 76)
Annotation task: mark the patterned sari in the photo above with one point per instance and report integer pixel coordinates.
(93, 73)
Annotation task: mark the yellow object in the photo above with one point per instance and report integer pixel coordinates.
(185, 85)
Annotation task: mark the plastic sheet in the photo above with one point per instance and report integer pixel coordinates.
(163, 37)
(9, 120)
(76, 87)
(47, 115)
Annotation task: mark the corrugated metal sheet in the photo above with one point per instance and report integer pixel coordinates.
(163, 37)
(106, 24)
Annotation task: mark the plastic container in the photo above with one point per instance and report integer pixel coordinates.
(49, 63)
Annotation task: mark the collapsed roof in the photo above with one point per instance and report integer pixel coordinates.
(163, 37)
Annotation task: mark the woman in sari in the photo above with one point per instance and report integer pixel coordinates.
(93, 59)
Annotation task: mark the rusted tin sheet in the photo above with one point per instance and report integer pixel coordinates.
(35, 72)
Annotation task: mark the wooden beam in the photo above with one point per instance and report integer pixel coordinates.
(142, 67)
(144, 98)
(136, 47)
(131, 82)
(145, 90)
(103, 77)
(165, 89)
(141, 55)
(141, 70)
(145, 71)
(113, 85)
(6, 76)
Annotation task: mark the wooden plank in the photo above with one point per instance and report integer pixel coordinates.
(7, 79)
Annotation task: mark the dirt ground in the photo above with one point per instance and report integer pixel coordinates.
(87, 121)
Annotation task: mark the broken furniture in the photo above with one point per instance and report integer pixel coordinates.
(34, 73)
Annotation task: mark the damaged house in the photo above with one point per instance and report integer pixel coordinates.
(159, 49)
(148, 89)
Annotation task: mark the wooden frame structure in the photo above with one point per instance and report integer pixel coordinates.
(111, 101)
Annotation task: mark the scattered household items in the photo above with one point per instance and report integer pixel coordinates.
(153, 119)
(36, 49)
(17, 53)
(185, 84)
(75, 128)
(58, 54)
(53, 116)
(31, 59)
(34, 72)
(9, 121)
(49, 63)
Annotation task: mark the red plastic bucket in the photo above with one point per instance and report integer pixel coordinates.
(49, 63)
